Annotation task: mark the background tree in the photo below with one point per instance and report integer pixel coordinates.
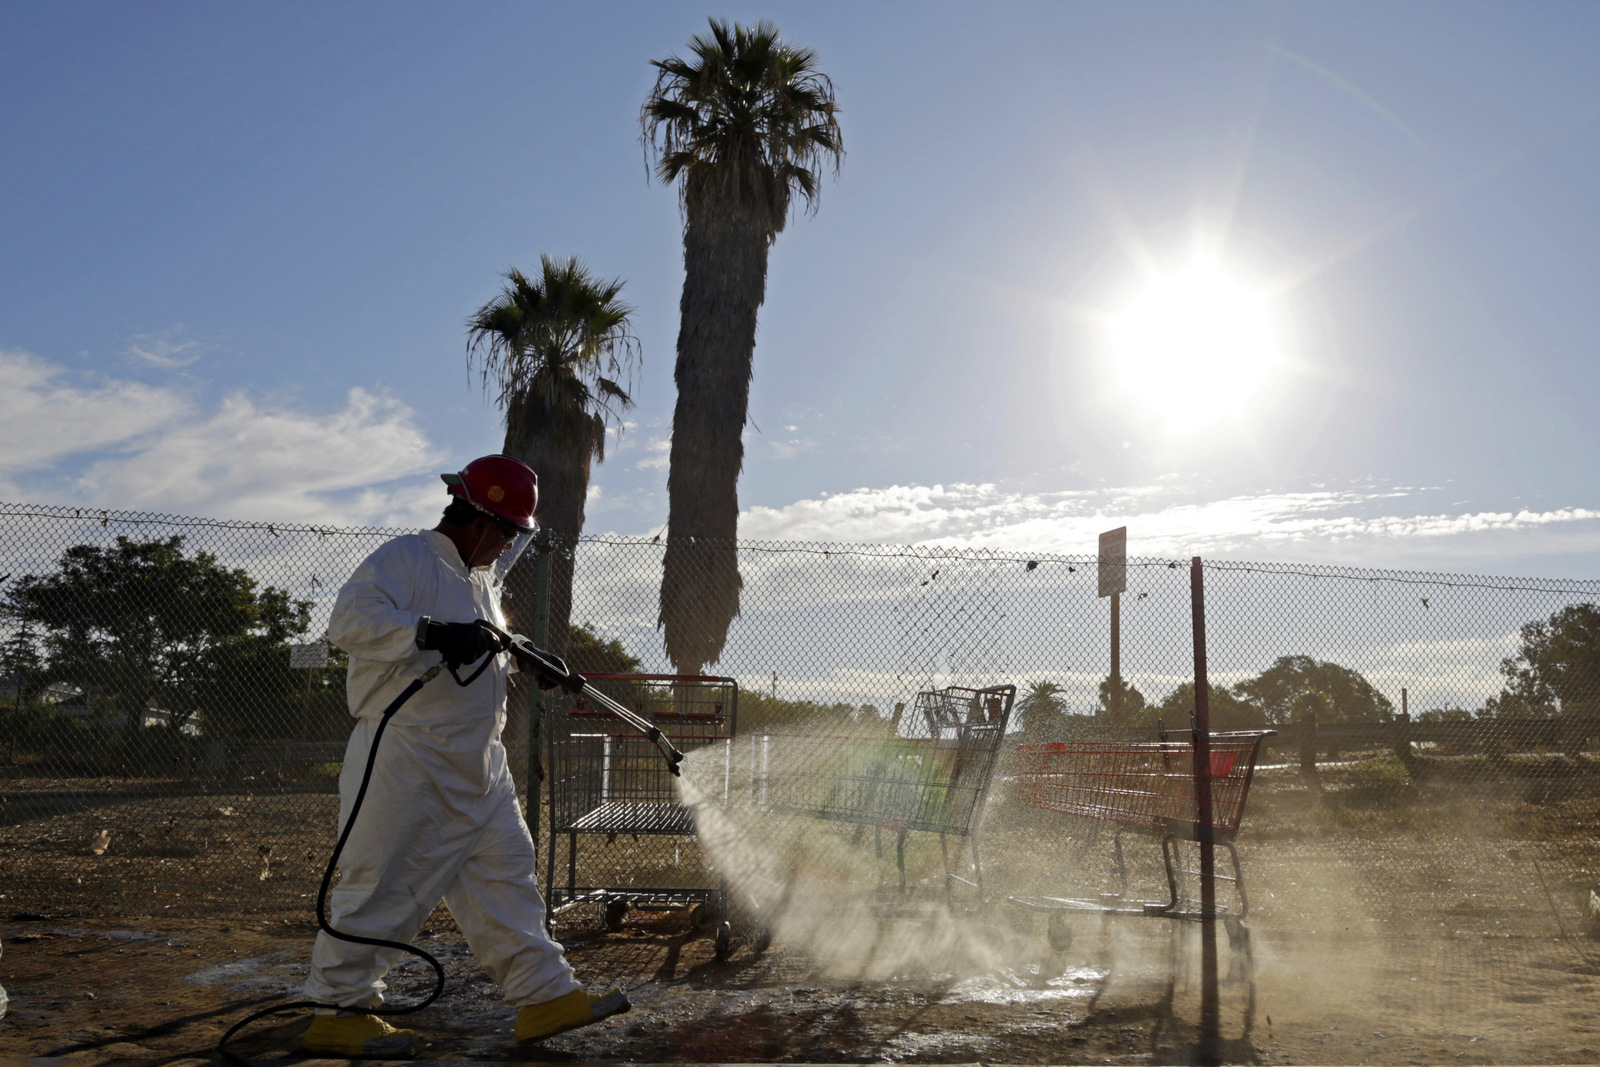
(555, 348)
(1228, 710)
(252, 692)
(21, 668)
(21, 677)
(1043, 712)
(1557, 669)
(1131, 706)
(146, 626)
(589, 654)
(760, 712)
(1349, 696)
(1445, 714)
(743, 125)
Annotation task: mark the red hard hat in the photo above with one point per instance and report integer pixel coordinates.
(499, 485)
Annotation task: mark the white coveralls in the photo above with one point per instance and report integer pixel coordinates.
(440, 818)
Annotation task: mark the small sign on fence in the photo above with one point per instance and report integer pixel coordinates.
(309, 656)
(1114, 561)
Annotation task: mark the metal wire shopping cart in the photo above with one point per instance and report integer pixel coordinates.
(930, 773)
(609, 788)
(1150, 786)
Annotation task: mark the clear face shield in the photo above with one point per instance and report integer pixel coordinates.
(501, 567)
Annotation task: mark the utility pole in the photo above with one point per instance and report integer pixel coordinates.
(1113, 582)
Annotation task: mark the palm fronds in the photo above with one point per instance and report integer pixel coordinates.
(745, 117)
(561, 339)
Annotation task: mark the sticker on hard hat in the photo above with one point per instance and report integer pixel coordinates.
(495, 494)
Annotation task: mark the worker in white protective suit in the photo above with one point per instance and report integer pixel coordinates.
(440, 818)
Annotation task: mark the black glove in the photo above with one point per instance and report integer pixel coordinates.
(459, 642)
(548, 669)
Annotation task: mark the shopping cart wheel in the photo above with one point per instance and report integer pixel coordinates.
(616, 913)
(1059, 931)
(724, 941)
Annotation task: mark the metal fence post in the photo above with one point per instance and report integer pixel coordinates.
(1210, 1021)
(540, 624)
(1402, 744)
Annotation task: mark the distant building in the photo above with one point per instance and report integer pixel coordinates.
(75, 702)
(154, 716)
(66, 699)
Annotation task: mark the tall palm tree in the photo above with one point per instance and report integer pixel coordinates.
(556, 348)
(743, 125)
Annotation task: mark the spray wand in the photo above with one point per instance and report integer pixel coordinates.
(551, 671)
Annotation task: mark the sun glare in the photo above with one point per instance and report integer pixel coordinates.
(1194, 344)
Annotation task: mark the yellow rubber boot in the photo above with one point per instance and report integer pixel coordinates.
(351, 1034)
(578, 1008)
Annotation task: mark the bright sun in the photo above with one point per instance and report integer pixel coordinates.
(1193, 344)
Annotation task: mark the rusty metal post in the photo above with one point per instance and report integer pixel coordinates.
(1209, 1050)
(1309, 740)
(1402, 744)
(1114, 705)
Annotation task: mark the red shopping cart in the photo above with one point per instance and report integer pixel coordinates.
(1150, 786)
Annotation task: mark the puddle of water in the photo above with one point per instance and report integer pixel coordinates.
(133, 936)
(127, 935)
(223, 972)
(1009, 987)
(913, 1044)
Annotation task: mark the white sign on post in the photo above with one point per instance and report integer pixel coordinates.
(309, 656)
(1114, 561)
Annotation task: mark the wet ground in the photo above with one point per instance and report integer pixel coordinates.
(164, 992)
(1384, 932)
(102, 993)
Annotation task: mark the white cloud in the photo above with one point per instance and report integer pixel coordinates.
(44, 416)
(792, 448)
(166, 348)
(123, 444)
(659, 451)
(246, 459)
(1161, 521)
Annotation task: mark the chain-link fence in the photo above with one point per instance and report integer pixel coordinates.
(164, 750)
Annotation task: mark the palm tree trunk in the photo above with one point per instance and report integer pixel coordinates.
(562, 463)
(725, 246)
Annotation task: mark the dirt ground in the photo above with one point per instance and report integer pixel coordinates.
(1388, 925)
(163, 992)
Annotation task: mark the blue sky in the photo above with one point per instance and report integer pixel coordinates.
(238, 244)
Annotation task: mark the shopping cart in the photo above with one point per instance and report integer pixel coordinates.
(1148, 786)
(929, 773)
(609, 787)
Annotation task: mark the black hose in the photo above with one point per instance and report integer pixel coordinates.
(327, 882)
